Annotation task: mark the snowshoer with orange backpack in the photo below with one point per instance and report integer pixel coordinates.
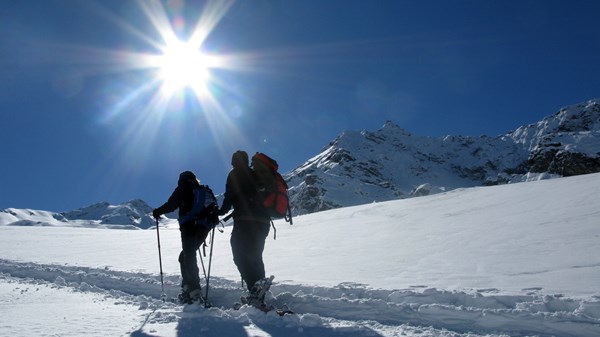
(250, 222)
(249, 193)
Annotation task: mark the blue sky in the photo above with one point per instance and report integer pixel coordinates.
(85, 117)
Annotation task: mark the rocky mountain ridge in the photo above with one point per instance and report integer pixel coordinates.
(361, 167)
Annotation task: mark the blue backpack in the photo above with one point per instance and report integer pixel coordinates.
(204, 211)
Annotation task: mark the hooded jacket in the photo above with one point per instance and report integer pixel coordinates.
(183, 195)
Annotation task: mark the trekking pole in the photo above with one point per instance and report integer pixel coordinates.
(201, 253)
(202, 263)
(212, 240)
(163, 296)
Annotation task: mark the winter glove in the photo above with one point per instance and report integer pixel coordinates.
(213, 217)
(156, 213)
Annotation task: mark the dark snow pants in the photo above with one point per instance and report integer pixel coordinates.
(192, 236)
(247, 245)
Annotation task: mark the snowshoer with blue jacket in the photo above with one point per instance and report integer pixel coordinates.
(194, 229)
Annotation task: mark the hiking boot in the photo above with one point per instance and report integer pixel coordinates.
(183, 295)
(255, 292)
(188, 295)
(259, 290)
(196, 295)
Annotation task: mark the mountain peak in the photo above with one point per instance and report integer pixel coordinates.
(390, 163)
(573, 128)
(390, 126)
(134, 212)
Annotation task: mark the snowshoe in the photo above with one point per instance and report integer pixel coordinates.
(257, 298)
(259, 290)
(284, 310)
(256, 303)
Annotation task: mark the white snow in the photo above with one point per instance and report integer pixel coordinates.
(511, 260)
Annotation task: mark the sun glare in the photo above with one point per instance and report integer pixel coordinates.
(183, 65)
(178, 78)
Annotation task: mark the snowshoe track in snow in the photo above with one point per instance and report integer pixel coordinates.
(421, 309)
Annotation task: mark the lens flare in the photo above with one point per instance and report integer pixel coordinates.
(182, 64)
(167, 97)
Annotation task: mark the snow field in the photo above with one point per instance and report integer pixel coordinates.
(513, 260)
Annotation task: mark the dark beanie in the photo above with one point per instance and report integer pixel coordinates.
(186, 177)
(239, 159)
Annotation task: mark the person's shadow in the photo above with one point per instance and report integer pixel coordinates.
(208, 325)
(211, 326)
(196, 321)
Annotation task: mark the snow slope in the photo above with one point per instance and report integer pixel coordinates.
(517, 260)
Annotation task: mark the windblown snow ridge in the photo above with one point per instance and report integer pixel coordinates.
(482, 311)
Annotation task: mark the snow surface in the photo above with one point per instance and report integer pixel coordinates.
(510, 260)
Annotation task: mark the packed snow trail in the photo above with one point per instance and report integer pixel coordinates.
(350, 305)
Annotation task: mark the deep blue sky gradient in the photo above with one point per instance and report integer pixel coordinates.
(73, 132)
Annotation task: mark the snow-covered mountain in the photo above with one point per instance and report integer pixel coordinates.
(360, 167)
(132, 214)
(566, 143)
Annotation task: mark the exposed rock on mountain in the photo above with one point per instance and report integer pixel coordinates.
(391, 163)
(566, 143)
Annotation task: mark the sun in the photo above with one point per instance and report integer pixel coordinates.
(178, 73)
(182, 62)
(182, 65)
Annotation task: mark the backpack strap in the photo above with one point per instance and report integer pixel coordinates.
(288, 216)
(274, 230)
